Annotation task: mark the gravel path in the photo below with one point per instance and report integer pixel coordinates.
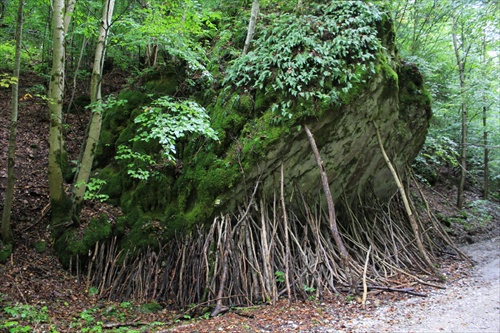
(471, 304)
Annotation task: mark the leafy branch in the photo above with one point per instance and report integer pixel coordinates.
(165, 121)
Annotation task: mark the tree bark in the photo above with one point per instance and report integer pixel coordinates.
(57, 157)
(460, 59)
(6, 229)
(486, 160)
(251, 25)
(85, 165)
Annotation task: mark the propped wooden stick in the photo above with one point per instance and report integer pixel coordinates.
(365, 268)
(331, 211)
(404, 197)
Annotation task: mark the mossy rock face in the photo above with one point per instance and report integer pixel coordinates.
(73, 242)
(115, 121)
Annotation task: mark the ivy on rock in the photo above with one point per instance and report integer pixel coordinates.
(313, 56)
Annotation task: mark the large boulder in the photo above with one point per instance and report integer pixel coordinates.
(334, 69)
(395, 101)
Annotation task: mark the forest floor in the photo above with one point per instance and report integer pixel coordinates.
(38, 295)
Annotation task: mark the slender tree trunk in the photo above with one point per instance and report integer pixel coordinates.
(60, 203)
(85, 165)
(6, 229)
(460, 58)
(486, 160)
(251, 25)
(3, 4)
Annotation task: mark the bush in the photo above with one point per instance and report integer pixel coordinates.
(7, 55)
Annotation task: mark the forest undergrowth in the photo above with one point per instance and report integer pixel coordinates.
(38, 295)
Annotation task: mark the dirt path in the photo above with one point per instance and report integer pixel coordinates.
(471, 304)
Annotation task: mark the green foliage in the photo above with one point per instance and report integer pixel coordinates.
(482, 211)
(437, 152)
(107, 104)
(27, 314)
(279, 276)
(6, 80)
(5, 252)
(164, 121)
(93, 291)
(94, 187)
(175, 31)
(313, 56)
(424, 30)
(7, 54)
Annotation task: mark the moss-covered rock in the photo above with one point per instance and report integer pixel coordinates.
(73, 242)
(260, 126)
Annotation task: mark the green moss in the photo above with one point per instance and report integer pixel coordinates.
(263, 100)
(68, 245)
(40, 246)
(141, 233)
(388, 72)
(163, 86)
(412, 90)
(246, 104)
(114, 182)
(126, 200)
(5, 252)
(152, 195)
(152, 307)
(97, 230)
(73, 242)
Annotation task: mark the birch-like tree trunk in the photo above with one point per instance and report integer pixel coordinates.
(461, 56)
(251, 25)
(6, 229)
(85, 165)
(60, 202)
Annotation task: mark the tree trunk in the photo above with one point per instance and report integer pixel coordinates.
(251, 25)
(60, 203)
(486, 160)
(6, 229)
(460, 58)
(85, 165)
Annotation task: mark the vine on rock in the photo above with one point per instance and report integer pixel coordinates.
(314, 56)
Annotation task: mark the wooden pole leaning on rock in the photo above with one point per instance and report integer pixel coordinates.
(344, 255)
(404, 197)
